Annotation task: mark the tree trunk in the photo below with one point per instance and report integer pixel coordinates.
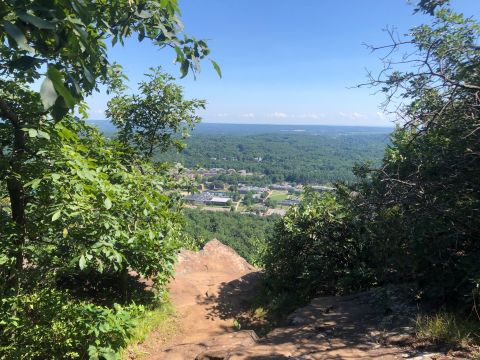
(124, 284)
(18, 202)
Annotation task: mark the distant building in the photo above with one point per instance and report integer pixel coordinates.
(219, 200)
(218, 170)
(280, 212)
(322, 188)
(289, 202)
(207, 199)
(254, 189)
(281, 187)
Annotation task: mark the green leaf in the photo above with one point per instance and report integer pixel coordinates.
(32, 133)
(184, 68)
(36, 21)
(108, 203)
(48, 93)
(180, 55)
(217, 68)
(17, 35)
(56, 215)
(25, 62)
(82, 263)
(109, 354)
(34, 183)
(4, 259)
(43, 135)
(57, 79)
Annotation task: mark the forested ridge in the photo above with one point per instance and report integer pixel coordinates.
(300, 158)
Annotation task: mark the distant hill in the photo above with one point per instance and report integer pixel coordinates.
(105, 126)
(294, 153)
(257, 129)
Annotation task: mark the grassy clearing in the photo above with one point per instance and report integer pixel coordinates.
(448, 328)
(278, 195)
(160, 320)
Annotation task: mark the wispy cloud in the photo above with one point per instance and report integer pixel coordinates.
(353, 115)
(382, 115)
(309, 116)
(96, 113)
(279, 115)
(248, 115)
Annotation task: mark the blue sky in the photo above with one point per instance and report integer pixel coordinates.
(283, 61)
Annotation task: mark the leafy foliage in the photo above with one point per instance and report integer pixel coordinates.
(72, 203)
(91, 182)
(415, 218)
(315, 249)
(429, 173)
(151, 121)
(300, 158)
(49, 324)
(245, 233)
(69, 39)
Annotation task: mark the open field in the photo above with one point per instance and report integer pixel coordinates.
(278, 195)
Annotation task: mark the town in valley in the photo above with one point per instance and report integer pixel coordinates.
(212, 194)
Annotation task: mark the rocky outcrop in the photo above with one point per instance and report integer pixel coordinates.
(214, 257)
(213, 288)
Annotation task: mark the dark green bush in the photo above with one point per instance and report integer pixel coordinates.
(315, 249)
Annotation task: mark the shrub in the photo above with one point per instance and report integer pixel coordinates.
(50, 324)
(317, 248)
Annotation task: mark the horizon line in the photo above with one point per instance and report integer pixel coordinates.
(283, 124)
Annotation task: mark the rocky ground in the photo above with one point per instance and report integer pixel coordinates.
(213, 289)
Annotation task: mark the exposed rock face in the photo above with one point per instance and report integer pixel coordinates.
(213, 287)
(213, 257)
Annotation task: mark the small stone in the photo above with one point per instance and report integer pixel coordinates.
(399, 339)
(297, 320)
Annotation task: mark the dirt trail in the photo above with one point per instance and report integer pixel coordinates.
(213, 287)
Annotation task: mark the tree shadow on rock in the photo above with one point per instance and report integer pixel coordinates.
(234, 301)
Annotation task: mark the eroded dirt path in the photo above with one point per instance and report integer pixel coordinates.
(213, 288)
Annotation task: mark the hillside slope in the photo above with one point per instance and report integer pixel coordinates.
(213, 288)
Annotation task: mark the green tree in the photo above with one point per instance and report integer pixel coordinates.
(152, 120)
(415, 218)
(429, 175)
(65, 43)
(248, 198)
(315, 249)
(73, 202)
(270, 203)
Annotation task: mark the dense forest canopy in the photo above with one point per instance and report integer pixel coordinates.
(246, 233)
(299, 157)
